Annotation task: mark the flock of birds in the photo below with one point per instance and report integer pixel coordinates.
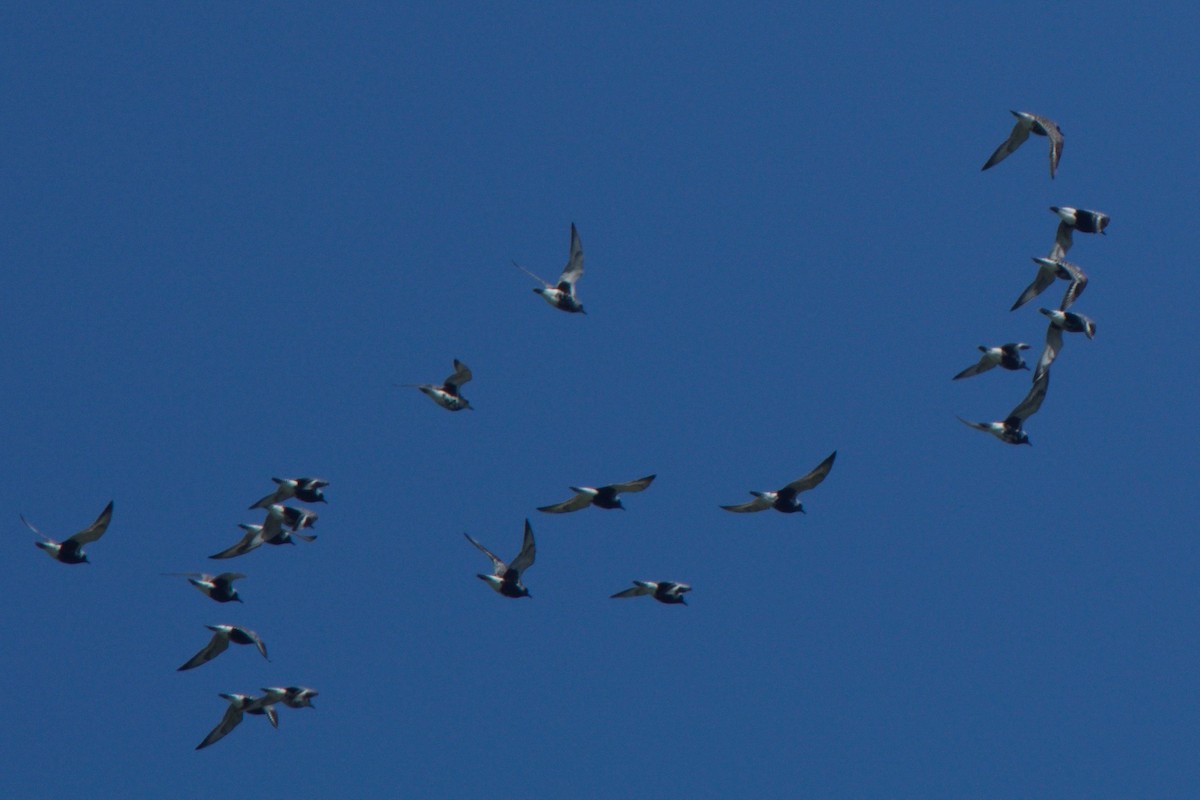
(1051, 267)
(281, 526)
(283, 523)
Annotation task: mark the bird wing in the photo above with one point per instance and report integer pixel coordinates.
(537, 278)
(633, 486)
(757, 504)
(639, 588)
(94, 531)
(250, 541)
(232, 718)
(1016, 138)
(217, 645)
(1032, 402)
(573, 271)
(1054, 342)
(580, 500)
(813, 478)
(258, 642)
(983, 365)
(1062, 241)
(498, 566)
(1054, 133)
(979, 426)
(462, 374)
(273, 525)
(1079, 282)
(229, 577)
(524, 559)
(676, 589)
(1041, 281)
(29, 525)
(284, 490)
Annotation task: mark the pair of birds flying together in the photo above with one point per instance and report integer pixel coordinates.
(784, 500)
(281, 526)
(561, 295)
(505, 578)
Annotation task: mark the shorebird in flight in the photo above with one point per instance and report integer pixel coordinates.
(1050, 269)
(1028, 123)
(506, 578)
(1074, 219)
(562, 294)
(448, 395)
(786, 499)
(1007, 356)
(601, 497)
(222, 636)
(239, 704)
(668, 592)
(70, 550)
(1061, 321)
(306, 490)
(1011, 429)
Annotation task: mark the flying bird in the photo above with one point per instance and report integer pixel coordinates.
(602, 497)
(257, 535)
(222, 636)
(448, 395)
(1028, 123)
(1007, 356)
(506, 578)
(668, 592)
(785, 499)
(70, 550)
(217, 587)
(1050, 269)
(1074, 219)
(294, 519)
(239, 704)
(293, 696)
(1061, 321)
(1011, 430)
(562, 295)
(306, 490)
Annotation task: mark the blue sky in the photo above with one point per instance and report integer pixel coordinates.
(232, 228)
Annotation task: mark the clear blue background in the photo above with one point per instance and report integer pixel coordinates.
(230, 229)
